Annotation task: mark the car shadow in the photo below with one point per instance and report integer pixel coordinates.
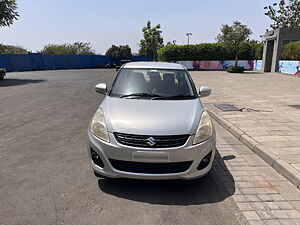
(208, 189)
(6, 82)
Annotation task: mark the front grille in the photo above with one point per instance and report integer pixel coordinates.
(155, 142)
(150, 168)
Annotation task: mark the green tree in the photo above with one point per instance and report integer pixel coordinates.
(77, 48)
(292, 51)
(82, 48)
(286, 15)
(253, 41)
(8, 12)
(119, 52)
(234, 36)
(152, 41)
(10, 49)
(55, 49)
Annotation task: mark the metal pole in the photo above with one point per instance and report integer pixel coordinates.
(188, 36)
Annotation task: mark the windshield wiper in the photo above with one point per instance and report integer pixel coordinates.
(140, 95)
(173, 97)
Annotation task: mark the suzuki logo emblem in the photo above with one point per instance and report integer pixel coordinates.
(151, 141)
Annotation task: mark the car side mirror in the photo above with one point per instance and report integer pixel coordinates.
(204, 91)
(101, 88)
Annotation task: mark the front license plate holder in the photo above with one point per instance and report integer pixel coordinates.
(146, 156)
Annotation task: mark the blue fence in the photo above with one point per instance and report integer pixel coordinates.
(141, 58)
(36, 61)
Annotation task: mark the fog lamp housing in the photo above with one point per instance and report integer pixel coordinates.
(205, 162)
(96, 159)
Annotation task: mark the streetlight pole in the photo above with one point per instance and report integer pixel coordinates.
(188, 36)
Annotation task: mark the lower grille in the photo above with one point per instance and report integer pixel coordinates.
(151, 168)
(147, 141)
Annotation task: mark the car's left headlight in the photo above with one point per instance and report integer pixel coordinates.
(98, 126)
(205, 129)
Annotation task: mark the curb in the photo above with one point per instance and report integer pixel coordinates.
(286, 74)
(267, 155)
(277, 73)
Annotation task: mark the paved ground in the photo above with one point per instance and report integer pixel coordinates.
(45, 177)
(270, 122)
(263, 195)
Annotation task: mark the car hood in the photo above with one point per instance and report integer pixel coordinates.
(152, 117)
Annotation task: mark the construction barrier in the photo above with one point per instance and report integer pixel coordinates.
(37, 61)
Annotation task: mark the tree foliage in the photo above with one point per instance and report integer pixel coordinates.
(10, 49)
(257, 50)
(119, 52)
(233, 36)
(8, 12)
(235, 69)
(209, 51)
(77, 48)
(292, 51)
(284, 15)
(152, 41)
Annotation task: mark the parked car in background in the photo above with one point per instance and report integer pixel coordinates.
(122, 62)
(152, 125)
(2, 73)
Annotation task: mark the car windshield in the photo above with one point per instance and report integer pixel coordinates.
(153, 84)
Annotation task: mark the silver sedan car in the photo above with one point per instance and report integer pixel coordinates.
(151, 125)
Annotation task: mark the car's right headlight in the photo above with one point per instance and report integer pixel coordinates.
(98, 126)
(205, 129)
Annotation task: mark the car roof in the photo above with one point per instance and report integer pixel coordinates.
(154, 65)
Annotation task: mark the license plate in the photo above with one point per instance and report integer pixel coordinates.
(146, 156)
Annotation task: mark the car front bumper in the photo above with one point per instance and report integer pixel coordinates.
(116, 151)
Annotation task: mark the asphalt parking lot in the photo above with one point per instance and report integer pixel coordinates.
(45, 176)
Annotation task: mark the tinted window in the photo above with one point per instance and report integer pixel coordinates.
(153, 82)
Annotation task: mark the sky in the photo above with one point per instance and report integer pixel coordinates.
(120, 22)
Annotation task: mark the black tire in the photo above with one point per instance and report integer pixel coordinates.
(2, 77)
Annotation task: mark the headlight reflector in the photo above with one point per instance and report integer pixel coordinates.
(205, 129)
(98, 126)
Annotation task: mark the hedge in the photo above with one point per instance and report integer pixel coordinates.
(291, 51)
(208, 51)
(235, 69)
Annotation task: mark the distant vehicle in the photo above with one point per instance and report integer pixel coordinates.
(152, 125)
(122, 62)
(2, 73)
